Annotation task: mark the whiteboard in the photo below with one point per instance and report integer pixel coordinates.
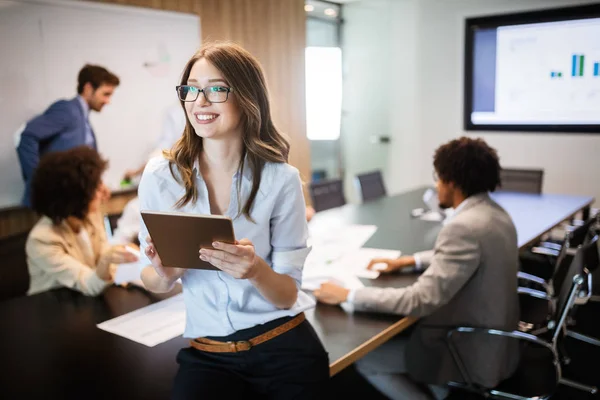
(44, 45)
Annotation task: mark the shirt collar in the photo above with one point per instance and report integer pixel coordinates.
(84, 105)
(474, 199)
(452, 214)
(247, 170)
(461, 206)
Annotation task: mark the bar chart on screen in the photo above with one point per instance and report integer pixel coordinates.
(548, 72)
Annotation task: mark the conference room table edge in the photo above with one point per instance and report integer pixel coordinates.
(583, 209)
(343, 362)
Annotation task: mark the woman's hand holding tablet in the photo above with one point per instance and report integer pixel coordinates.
(238, 260)
(171, 273)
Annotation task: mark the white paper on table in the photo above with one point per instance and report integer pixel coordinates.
(341, 236)
(321, 257)
(432, 216)
(357, 261)
(347, 280)
(129, 273)
(152, 324)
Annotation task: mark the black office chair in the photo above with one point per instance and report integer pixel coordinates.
(591, 261)
(521, 180)
(543, 261)
(327, 194)
(318, 175)
(370, 185)
(520, 384)
(547, 274)
(14, 275)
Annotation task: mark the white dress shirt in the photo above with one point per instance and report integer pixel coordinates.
(89, 136)
(216, 303)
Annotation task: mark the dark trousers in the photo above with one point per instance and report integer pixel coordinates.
(293, 365)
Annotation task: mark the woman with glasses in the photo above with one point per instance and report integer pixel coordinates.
(245, 321)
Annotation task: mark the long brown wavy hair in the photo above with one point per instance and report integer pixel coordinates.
(262, 142)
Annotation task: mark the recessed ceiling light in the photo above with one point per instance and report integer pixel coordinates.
(330, 12)
(309, 7)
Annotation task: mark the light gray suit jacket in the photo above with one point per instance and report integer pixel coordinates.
(471, 281)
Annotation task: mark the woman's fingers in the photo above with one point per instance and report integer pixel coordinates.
(229, 248)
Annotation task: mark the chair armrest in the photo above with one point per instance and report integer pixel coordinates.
(535, 279)
(496, 332)
(538, 294)
(493, 332)
(550, 245)
(545, 251)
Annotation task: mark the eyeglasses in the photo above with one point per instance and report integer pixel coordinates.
(212, 94)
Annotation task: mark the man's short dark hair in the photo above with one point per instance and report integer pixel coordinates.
(65, 182)
(470, 164)
(97, 76)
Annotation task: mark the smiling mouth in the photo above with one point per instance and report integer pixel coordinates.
(205, 118)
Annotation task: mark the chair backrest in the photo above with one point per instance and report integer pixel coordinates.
(14, 276)
(318, 175)
(580, 235)
(327, 194)
(585, 261)
(371, 185)
(521, 180)
(591, 256)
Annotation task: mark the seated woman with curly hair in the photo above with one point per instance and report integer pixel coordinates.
(68, 245)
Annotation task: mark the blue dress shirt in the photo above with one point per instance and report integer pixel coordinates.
(216, 303)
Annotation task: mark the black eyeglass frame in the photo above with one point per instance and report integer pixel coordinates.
(228, 89)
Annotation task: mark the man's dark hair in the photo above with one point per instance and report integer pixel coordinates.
(470, 164)
(65, 182)
(97, 76)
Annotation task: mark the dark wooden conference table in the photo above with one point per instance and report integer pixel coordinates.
(51, 348)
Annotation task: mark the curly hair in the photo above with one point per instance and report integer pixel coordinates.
(65, 182)
(470, 164)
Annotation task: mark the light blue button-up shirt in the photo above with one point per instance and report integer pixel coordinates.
(89, 136)
(216, 303)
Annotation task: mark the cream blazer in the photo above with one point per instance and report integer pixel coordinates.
(57, 257)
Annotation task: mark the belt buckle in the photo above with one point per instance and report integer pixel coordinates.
(242, 345)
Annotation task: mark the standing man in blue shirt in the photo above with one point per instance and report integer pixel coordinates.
(65, 124)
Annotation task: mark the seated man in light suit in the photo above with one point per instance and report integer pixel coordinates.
(470, 280)
(65, 124)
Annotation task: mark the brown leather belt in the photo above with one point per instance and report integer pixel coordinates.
(214, 346)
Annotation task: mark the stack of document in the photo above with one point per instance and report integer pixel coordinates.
(337, 255)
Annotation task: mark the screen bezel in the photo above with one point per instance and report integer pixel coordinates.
(530, 17)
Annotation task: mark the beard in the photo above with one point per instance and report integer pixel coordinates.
(444, 206)
(96, 107)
